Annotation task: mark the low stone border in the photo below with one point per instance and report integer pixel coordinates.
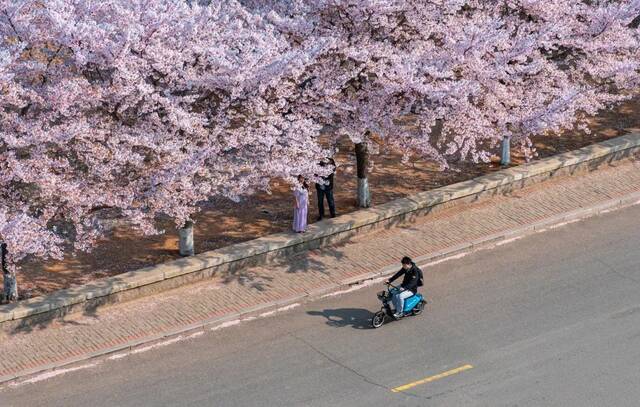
(266, 249)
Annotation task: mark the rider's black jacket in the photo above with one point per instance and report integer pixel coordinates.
(411, 278)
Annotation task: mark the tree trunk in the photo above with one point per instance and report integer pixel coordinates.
(362, 162)
(505, 158)
(10, 291)
(186, 239)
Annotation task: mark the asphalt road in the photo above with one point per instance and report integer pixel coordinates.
(549, 320)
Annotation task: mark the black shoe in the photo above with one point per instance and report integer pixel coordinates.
(319, 218)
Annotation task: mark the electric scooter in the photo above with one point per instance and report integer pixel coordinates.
(413, 305)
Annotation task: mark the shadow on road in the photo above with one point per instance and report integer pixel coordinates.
(357, 318)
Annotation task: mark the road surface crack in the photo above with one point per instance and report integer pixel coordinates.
(616, 272)
(338, 363)
(362, 376)
(353, 371)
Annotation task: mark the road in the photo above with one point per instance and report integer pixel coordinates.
(549, 320)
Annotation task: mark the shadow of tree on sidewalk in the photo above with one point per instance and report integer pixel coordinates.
(223, 223)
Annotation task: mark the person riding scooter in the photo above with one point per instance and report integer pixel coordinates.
(410, 283)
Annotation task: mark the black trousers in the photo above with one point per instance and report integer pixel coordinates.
(332, 206)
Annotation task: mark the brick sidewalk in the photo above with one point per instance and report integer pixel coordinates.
(83, 335)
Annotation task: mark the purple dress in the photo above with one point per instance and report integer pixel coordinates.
(300, 213)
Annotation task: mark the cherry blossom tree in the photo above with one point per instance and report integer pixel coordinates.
(449, 80)
(137, 109)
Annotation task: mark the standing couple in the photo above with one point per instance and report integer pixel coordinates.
(301, 194)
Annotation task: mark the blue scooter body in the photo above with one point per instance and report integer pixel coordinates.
(411, 302)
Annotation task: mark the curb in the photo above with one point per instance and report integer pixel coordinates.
(218, 322)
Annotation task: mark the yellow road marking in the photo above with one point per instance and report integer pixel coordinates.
(432, 378)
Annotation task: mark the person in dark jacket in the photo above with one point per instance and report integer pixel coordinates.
(410, 282)
(326, 189)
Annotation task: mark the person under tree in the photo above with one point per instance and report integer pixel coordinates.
(325, 189)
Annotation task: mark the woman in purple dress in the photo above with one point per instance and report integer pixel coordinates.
(301, 206)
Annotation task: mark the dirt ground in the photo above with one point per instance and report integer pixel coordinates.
(222, 222)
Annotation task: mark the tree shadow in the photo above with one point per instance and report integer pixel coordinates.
(222, 223)
(63, 317)
(249, 278)
(312, 261)
(356, 318)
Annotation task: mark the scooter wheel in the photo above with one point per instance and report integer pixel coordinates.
(378, 319)
(417, 310)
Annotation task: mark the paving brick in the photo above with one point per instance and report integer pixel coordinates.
(311, 271)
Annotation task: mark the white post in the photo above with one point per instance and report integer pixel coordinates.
(186, 239)
(10, 283)
(364, 195)
(362, 162)
(505, 158)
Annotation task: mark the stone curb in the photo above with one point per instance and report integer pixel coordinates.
(443, 255)
(62, 299)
